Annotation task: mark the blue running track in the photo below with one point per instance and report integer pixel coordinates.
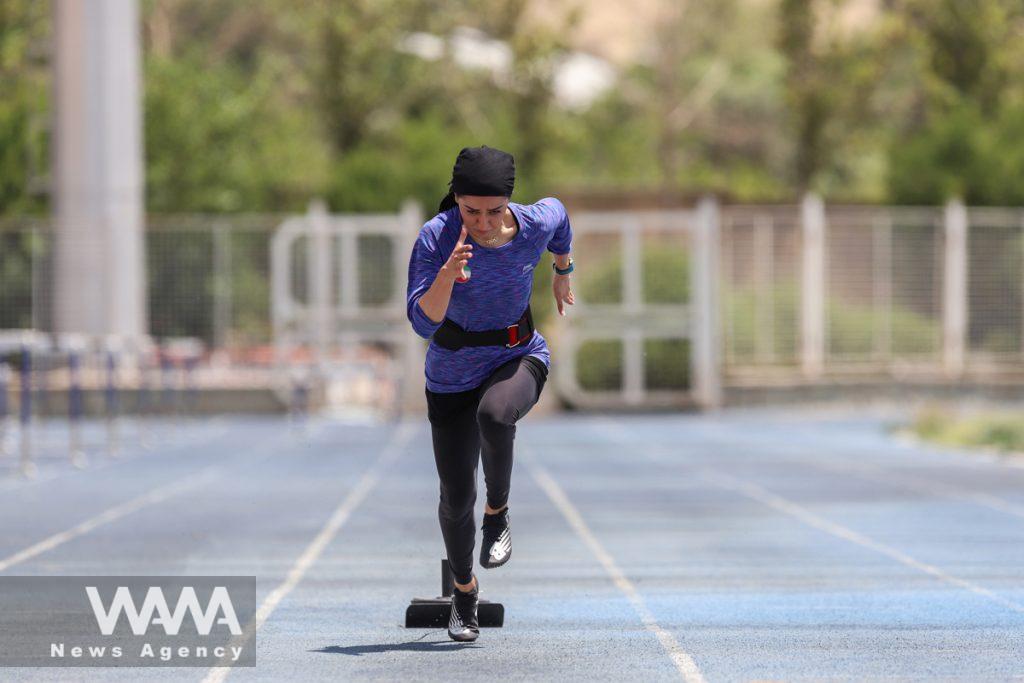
(747, 545)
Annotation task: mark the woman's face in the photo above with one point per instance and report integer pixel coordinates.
(482, 216)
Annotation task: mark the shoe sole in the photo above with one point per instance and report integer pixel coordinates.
(464, 638)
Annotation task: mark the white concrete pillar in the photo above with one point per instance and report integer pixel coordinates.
(222, 284)
(705, 340)
(347, 250)
(632, 304)
(282, 302)
(764, 294)
(882, 287)
(99, 272)
(318, 255)
(812, 290)
(415, 348)
(954, 290)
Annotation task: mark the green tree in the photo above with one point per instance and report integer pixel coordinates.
(24, 117)
(968, 47)
(536, 50)
(702, 112)
(363, 80)
(832, 75)
(964, 139)
(24, 35)
(224, 121)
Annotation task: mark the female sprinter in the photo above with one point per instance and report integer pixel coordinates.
(470, 280)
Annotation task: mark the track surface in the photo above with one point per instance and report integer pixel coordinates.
(745, 545)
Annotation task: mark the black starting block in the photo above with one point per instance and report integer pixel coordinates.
(435, 612)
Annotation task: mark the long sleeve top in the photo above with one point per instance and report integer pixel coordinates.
(495, 296)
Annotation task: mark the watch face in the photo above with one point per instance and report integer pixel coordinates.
(465, 275)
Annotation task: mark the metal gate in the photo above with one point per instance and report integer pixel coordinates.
(338, 295)
(653, 296)
(647, 311)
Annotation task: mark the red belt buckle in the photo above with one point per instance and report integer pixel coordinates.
(513, 336)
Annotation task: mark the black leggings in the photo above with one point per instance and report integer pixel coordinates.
(466, 425)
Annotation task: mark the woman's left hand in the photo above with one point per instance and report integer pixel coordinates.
(563, 292)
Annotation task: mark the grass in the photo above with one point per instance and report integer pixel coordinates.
(1000, 431)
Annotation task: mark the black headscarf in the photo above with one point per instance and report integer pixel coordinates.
(481, 172)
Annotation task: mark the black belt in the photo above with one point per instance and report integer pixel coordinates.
(452, 337)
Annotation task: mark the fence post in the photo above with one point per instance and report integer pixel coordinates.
(5, 427)
(764, 281)
(348, 286)
(882, 286)
(319, 259)
(111, 399)
(632, 304)
(74, 347)
(705, 338)
(954, 293)
(222, 285)
(414, 352)
(812, 290)
(28, 468)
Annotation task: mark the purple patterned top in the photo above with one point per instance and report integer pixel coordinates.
(495, 296)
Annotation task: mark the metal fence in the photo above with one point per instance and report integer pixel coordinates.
(800, 293)
(642, 332)
(208, 278)
(813, 292)
(871, 284)
(760, 287)
(338, 299)
(995, 244)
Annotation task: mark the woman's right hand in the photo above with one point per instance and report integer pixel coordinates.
(459, 257)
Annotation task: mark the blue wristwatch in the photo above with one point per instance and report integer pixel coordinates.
(564, 271)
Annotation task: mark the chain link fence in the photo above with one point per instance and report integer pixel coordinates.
(885, 296)
(760, 288)
(995, 244)
(884, 290)
(208, 279)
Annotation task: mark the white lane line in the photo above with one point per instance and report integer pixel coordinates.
(355, 497)
(793, 509)
(157, 495)
(874, 472)
(920, 484)
(864, 470)
(682, 660)
(777, 502)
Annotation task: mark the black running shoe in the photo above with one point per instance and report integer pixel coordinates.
(463, 624)
(496, 547)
